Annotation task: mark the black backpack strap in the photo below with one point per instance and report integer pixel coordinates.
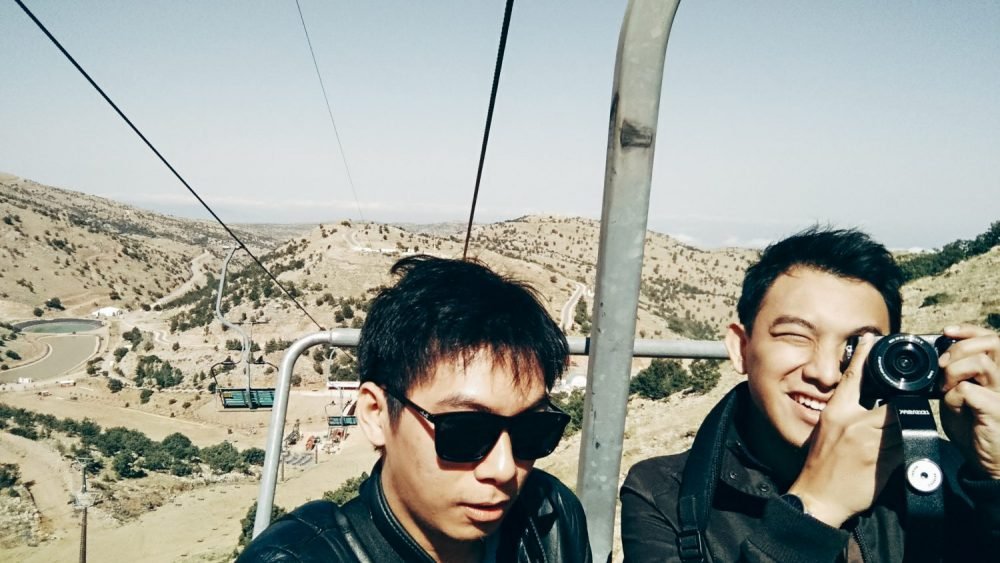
(701, 473)
(350, 536)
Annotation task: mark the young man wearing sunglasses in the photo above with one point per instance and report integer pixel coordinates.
(456, 363)
(790, 467)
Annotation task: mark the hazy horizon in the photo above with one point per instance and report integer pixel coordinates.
(773, 116)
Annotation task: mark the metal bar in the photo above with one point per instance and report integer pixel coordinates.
(268, 481)
(348, 338)
(635, 104)
(245, 353)
(643, 348)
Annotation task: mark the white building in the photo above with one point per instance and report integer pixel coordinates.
(107, 312)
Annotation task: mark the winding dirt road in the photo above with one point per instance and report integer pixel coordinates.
(198, 275)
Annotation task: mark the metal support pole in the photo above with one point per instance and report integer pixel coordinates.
(272, 453)
(246, 353)
(83, 537)
(83, 501)
(635, 104)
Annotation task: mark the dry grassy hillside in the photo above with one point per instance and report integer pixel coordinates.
(91, 252)
(965, 293)
(83, 249)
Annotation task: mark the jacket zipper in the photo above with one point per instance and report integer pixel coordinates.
(865, 554)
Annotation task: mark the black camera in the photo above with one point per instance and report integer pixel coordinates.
(899, 364)
(902, 371)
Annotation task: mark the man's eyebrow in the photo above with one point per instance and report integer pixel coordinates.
(866, 330)
(789, 319)
(468, 402)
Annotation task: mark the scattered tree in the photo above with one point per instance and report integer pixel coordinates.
(248, 521)
(9, 474)
(222, 457)
(346, 491)
(253, 456)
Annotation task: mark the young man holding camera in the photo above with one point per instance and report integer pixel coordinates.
(456, 363)
(789, 466)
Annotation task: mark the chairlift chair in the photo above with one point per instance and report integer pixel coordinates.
(248, 397)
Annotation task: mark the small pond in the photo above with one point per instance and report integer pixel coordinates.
(60, 326)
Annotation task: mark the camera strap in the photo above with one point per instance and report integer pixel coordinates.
(923, 476)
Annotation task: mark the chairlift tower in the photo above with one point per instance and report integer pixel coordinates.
(82, 501)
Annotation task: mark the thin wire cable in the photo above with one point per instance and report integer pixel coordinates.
(489, 121)
(163, 160)
(329, 112)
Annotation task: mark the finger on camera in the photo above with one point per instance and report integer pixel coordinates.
(964, 331)
(978, 368)
(979, 399)
(849, 388)
(970, 340)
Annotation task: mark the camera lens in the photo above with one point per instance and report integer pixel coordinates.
(906, 361)
(903, 363)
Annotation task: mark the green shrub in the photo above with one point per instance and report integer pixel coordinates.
(9, 474)
(179, 446)
(160, 371)
(936, 299)
(222, 457)
(253, 456)
(572, 403)
(125, 466)
(28, 432)
(248, 521)
(346, 491)
(144, 395)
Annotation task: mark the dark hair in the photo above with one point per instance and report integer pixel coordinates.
(847, 253)
(450, 310)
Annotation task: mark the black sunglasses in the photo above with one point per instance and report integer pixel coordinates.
(468, 436)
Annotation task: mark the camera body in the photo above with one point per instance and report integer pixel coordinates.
(900, 365)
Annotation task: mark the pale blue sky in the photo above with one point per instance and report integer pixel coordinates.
(883, 115)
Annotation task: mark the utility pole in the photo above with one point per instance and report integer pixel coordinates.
(83, 501)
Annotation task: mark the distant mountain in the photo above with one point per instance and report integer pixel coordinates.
(91, 252)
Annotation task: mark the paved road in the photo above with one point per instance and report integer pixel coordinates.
(66, 352)
(568, 310)
(197, 276)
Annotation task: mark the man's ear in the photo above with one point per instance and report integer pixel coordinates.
(736, 343)
(373, 414)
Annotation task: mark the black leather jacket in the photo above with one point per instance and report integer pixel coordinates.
(545, 524)
(748, 522)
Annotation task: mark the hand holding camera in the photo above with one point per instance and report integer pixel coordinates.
(960, 368)
(970, 408)
(850, 455)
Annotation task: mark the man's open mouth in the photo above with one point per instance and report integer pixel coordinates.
(809, 402)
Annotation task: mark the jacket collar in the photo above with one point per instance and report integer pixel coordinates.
(373, 495)
(740, 469)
